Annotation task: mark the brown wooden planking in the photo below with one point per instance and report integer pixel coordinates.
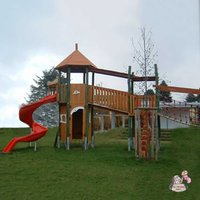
(177, 89)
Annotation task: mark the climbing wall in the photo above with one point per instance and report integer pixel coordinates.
(146, 133)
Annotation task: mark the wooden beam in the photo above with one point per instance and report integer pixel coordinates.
(177, 89)
(122, 75)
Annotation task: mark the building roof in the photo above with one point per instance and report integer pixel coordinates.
(76, 61)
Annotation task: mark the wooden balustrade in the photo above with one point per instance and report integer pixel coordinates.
(113, 99)
(118, 100)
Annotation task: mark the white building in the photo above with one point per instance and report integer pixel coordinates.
(179, 115)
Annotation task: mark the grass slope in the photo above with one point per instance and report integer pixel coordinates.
(107, 172)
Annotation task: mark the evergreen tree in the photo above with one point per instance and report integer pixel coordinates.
(191, 98)
(149, 92)
(198, 97)
(47, 114)
(165, 96)
(39, 88)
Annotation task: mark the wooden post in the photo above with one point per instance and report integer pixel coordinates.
(102, 123)
(87, 111)
(136, 133)
(133, 132)
(123, 121)
(157, 117)
(139, 134)
(58, 100)
(92, 112)
(68, 110)
(132, 117)
(129, 108)
(35, 146)
(84, 77)
(156, 136)
(113, 120)
(57, 139)
(153, 136)
(147, 133)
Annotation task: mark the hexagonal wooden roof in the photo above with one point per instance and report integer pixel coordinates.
(76, 61)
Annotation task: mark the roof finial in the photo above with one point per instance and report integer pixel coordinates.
(76, 46)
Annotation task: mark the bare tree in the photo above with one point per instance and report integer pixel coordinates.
(145, 57)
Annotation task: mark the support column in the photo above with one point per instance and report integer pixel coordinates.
(133, 117)
(102, 123)
(113, 120)
(92, 113)
(137, 133)
(84, 77)
(157, 128)
(57, 141)
(87, 111)
(129, 107)
(68, 110)
(153, 134)
(133, 131)
(123, 121)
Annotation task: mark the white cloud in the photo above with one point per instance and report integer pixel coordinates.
(10, 118)
(186, 74)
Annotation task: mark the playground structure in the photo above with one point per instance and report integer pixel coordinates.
(77, 102)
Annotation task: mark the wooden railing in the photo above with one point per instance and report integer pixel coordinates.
(112, 99)
(144, 101)
(119, 100)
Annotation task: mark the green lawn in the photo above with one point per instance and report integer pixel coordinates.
(108, 171)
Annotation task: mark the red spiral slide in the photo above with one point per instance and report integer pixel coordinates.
(25, 115)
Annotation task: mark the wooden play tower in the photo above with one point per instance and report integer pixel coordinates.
(78, 101)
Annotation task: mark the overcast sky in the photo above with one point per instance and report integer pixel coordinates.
(37, 34)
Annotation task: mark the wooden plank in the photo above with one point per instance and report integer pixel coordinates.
(177, 89)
